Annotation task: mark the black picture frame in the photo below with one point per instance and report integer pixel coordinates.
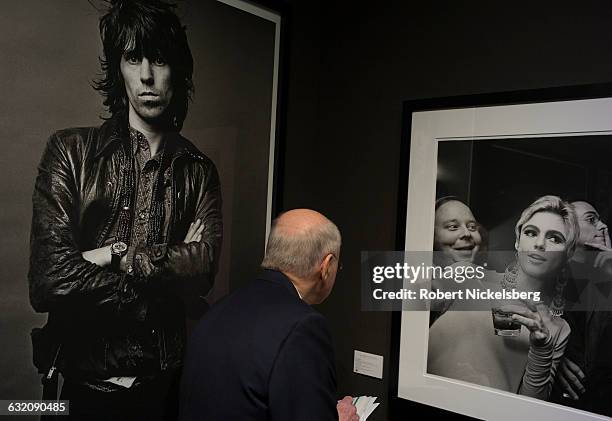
(399, 407)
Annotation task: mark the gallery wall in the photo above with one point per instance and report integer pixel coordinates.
(350, 69)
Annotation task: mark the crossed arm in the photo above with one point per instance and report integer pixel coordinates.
(61, 274)
(102, 256)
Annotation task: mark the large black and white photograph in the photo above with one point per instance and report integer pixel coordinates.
(138, 189)
(523, 190)
(534, 211)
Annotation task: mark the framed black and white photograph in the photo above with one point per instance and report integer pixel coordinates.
(475, 170)
(51, 55)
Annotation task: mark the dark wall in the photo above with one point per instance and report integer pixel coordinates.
(351, 68)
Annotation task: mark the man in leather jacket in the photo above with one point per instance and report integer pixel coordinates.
(126, 227)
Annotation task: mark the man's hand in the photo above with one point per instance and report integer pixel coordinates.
(346, 410)
(569, 378)
(603, 257)
(603, 260)
(195, 232)
(101, 256)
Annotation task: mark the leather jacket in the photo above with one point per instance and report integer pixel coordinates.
(109, 323)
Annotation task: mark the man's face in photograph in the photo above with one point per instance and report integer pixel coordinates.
(592, 228)
(148, 84)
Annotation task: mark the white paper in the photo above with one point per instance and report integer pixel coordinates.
(126, 382)
(365, 406)
(368, 364)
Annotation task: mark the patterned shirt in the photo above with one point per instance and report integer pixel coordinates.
(147, 170)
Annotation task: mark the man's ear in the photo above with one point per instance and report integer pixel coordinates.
(325, 266)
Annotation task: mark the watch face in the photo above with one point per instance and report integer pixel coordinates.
(118, 247)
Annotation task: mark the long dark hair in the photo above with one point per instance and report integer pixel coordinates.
(145, 28)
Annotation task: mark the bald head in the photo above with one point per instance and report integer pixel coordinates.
(300, 221)
(299, 240)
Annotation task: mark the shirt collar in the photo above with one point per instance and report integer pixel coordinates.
(115, 130)
(140, 142)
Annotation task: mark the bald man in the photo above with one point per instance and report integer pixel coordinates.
(263, 353)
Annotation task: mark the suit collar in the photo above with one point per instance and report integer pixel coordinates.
(280, 278)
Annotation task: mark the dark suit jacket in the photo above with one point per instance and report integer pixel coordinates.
(260, 354)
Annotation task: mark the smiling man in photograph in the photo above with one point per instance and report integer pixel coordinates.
(126, 228)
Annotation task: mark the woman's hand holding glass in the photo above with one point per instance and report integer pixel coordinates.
(537, 318)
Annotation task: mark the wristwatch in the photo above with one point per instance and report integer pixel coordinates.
(118, 250)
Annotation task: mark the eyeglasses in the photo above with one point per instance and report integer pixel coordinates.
(340, 267)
